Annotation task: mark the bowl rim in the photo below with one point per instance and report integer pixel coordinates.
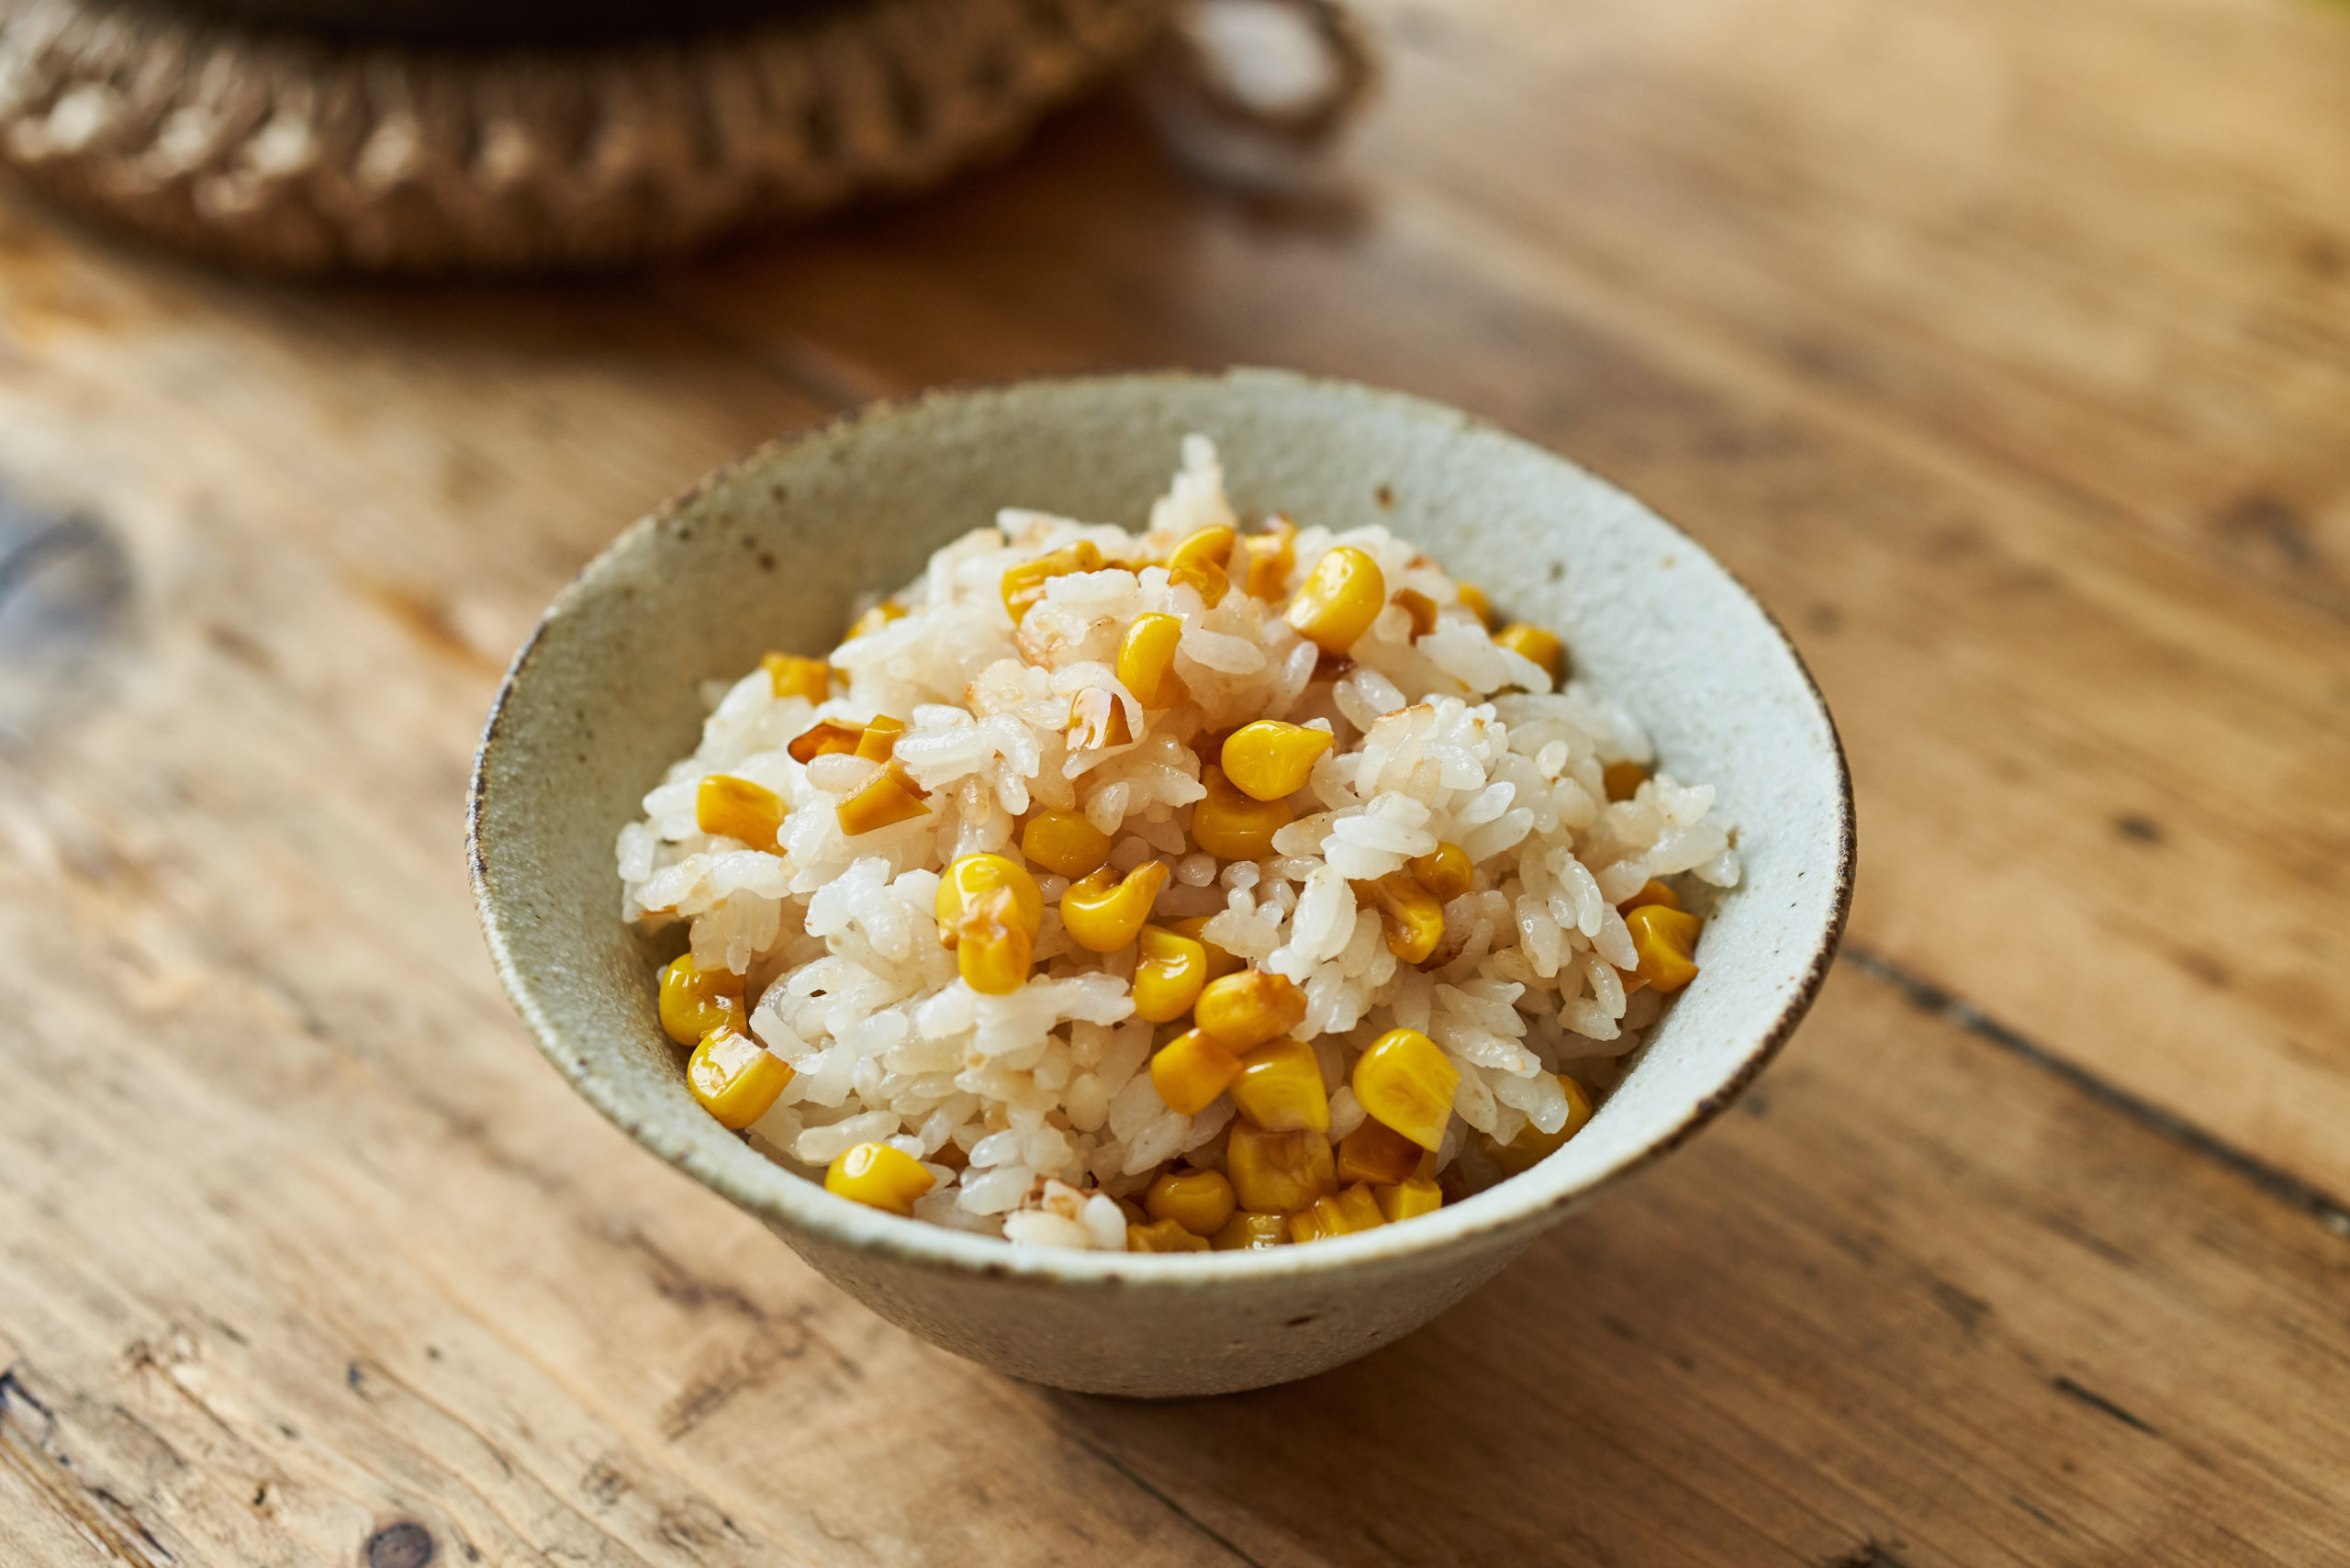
(787, 1201)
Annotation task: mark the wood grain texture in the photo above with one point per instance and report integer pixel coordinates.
(1903, 309)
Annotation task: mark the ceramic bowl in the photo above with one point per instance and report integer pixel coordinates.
(770, 553)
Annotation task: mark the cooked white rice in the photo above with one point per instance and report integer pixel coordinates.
(1446, 737)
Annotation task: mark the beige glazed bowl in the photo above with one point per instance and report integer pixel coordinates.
(769, 554)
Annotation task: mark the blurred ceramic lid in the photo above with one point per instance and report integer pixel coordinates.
(498, 23)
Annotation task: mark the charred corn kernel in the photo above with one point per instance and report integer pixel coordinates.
(1024, 584)
(873, 620)
(1278, 1172)
(1420, 608)
(793, 675)
(1270, 760)
(1652, 893)
(1199, 1200)
(1272, 554)
(1231, 826)
(1104, 911)
(1195, 927)
(1201, 559)
(1170, 975)
(1245, 1232)
(1065, 843)
(1622, 781)
(1337, 1213)
(1280, 1089)
(736, 808)
(971, 875)
(1666, 940)
(879, 1177)
(1146, 660)
(735, 1078)
(1532, 1145)
(1406, 1082)
(879, 741)
(1341, 597)
(825, 737)
(1474, 598)
(1536, 644)
(1377, 1153)
(694, 1001)
(1190, 1070)
(1413, 915)
(1409, 1199)
(1163, 1235)
(892, 797)
(1247, 1009)
(1445, 871)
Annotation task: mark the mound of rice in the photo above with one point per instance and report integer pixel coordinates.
(1445, 736)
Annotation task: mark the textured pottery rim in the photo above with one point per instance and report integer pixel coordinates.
(780, 1196)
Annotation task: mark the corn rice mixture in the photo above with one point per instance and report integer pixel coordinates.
(1166, 890)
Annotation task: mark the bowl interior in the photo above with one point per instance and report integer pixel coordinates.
(770, 555)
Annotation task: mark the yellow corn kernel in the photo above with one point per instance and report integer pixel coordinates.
(793, 675)
(1280, 1089)
(1278, 1172)
(736, 808)
(694, 1001)
(1341, 597)
(825, 737)
(1270, 760)
(1622, 781)
(1377, 1153)
(1024, 584)
(879, 1177)
(993, 945)
(892, 797)
(1168, 978)
(1337, 1213)
(1420, 608)
(1104, 912)
(735, 1078)
(1097, 719)
(1065, 843)
(879, 741)
(873, 620)
(1666, 940)
(1195, 927)
(1247, 1009)
(1199, 1200)
(1146, 660)
(1652, 893)
(1413, 915)
(1201, 559)
(1245, 1232)
(1231, 826)
(1537, 644)
(1190, 1070)
(1532, 1146)
(971, 875)
(1474, 598)
(1406, 1082)
(1163, 1235)
(1409, 1199)
(1445, 871)
(1272, 554)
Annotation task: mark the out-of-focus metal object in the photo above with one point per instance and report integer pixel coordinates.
(1252, 93)
(65, 594)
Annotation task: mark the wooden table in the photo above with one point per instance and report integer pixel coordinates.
(2003, 345)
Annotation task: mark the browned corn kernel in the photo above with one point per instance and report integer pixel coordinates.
(737, 1078)
(1652, 893)
(1666, 940)
(873, 620)
(1420, 608)
(1622, 781)
(1445, 871)
(1346, 1212)
(1406, 1082)
(879, 1177)
(950, 1154)
(971, 875)
(1474, 598)
(694, 1001)
(1532, 1145)
(1537, 644)
(1245, 1232)
(1097, 719)
(1231, 826)
(1163, 1235)
(1377, 1153)
(1271, 557)
(1247, 1009)
(1220, 963)
(1278, 1172)
(1270, 760)
(1409, 1199)
(879, 741)
(1201, 559)
(728, 807)
(1280, 1088)
(1413, 917)
(1024, 584)
(825, 737)
(1199, 1200)
(793, 675)
(1065, 843)
(1146, 660)
(1340, 598)
(1134, 1213)
(1190, 1070)
(1104, 911)
(892, 797)
(1169, 977)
